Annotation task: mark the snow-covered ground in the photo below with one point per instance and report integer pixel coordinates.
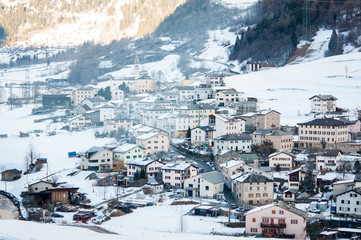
(9, 230)
(287, 89)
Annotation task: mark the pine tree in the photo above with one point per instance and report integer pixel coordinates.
(107, 94)
(188, 133)
(335, 44)
(309, 181)
(101, 92)
(357, 166)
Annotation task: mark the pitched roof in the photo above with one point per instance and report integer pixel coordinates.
(279, 152)
(265, 112)
(95, 149)
(141, 162)
(125, 148)
(177, 166)
(147, 135)
(283, 205)
(253, 178)
(323, 97)
(213, 177)
(232, 137)
(356, 190)
(230, 163)
(249, 156)
(325, 122)
(205, 128)
(329, 152)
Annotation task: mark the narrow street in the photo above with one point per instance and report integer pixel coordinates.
(200, 163)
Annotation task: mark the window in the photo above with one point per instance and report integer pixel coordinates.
(207, 188)
(253, 219)
(250, 195)
(294, 221)
(253, 230)
(281, 212)
(273, 211)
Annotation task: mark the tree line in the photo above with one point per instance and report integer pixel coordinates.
(279, 26)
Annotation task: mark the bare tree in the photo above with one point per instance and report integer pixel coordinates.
(30, 157)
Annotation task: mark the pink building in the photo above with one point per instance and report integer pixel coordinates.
(278, 219)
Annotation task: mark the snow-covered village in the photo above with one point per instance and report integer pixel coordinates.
(166, 135)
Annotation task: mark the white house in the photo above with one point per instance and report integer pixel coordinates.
(224, 98)
(202, 135)
(116, 123)
(174, 174)
(151, 167)
(151, 114)
(278, 219)
(185, 93)
(79, 122)
(323, 103)
(107, 111)
(236, 142)
(97, 158)
(175, 123)
(328, 159)
(253, 189)
(284, 159)
(233, 167)
(206, 185)
(295, 177)
(93, 102)
(153, 142)
(40, 186)
(223, 124)
(349, 203)
(203, 93)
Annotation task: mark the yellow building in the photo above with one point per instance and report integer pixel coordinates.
(145, 85)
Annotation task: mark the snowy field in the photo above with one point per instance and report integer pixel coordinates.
(287, 89)
(9, 230)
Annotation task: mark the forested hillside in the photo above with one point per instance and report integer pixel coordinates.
(56, 22)
(281, 24)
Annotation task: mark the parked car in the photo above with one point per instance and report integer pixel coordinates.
(56, 215)
(314, 210)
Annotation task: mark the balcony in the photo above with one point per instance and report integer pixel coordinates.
(330, 164)
(270, 225)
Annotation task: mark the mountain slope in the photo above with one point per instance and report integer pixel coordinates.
(70, 22)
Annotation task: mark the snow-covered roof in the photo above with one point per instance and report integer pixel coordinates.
(125, 148)
(279, 152)
(141, 162)
(231, 163)
(176, 166)
(252, 178)
(147, 135)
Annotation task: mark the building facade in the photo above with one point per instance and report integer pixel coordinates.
(323, 103)
(276, 220)
(153, 142)
(321, 132)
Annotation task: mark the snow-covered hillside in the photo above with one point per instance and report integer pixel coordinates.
(287, 89)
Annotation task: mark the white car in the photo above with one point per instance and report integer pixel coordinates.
(314, 210)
